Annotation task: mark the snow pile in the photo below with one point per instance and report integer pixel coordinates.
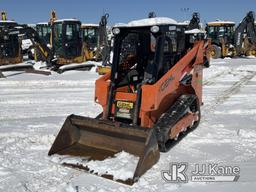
(121, 166)
(7, 21)
(42, 23)
(221, 22)
(77, 65)
(148, 22)
(41, 65)
(251, 57)
(15, 66)
(195, 31)
(26, 43)
(120, 25)
(152, 21)
(90, 25)
(61, 20)
(184, 23)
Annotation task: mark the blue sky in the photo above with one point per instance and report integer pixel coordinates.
(33, 11)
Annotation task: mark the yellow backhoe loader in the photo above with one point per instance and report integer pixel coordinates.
(230, 41)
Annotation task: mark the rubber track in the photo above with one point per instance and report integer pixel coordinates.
(170, 118)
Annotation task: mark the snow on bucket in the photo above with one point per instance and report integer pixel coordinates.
(100, 144)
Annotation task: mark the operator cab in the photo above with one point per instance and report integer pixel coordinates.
(7, 24)
(145, 50)
(9, 45)
(220, 29)
(91, 35)
(44, 31)
(66, 37)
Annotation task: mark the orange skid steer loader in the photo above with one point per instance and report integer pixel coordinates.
(150, 99)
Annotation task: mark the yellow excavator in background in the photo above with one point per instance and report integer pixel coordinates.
(63, 38)
(71, 42)
(65, 49)
(44, 31)
(66, 44)
(10, 47)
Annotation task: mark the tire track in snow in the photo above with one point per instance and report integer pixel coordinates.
(22, 167)
(211, 81)
(226, 94)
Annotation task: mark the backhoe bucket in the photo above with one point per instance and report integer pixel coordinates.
(100, 139)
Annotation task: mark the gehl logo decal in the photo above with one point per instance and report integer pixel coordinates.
(165, 84)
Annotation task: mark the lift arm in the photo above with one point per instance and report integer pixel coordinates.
(103, 39)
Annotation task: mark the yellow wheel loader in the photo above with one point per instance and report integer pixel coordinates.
(44, 30)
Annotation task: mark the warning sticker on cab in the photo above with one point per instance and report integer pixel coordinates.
(124, 104)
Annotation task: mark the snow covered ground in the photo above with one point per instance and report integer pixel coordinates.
(33, 109)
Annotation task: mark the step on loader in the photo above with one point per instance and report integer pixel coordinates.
(150, 99)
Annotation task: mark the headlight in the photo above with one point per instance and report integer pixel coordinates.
(116, 31)
(154, 29)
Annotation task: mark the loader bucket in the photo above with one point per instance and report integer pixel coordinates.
(100, 139)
